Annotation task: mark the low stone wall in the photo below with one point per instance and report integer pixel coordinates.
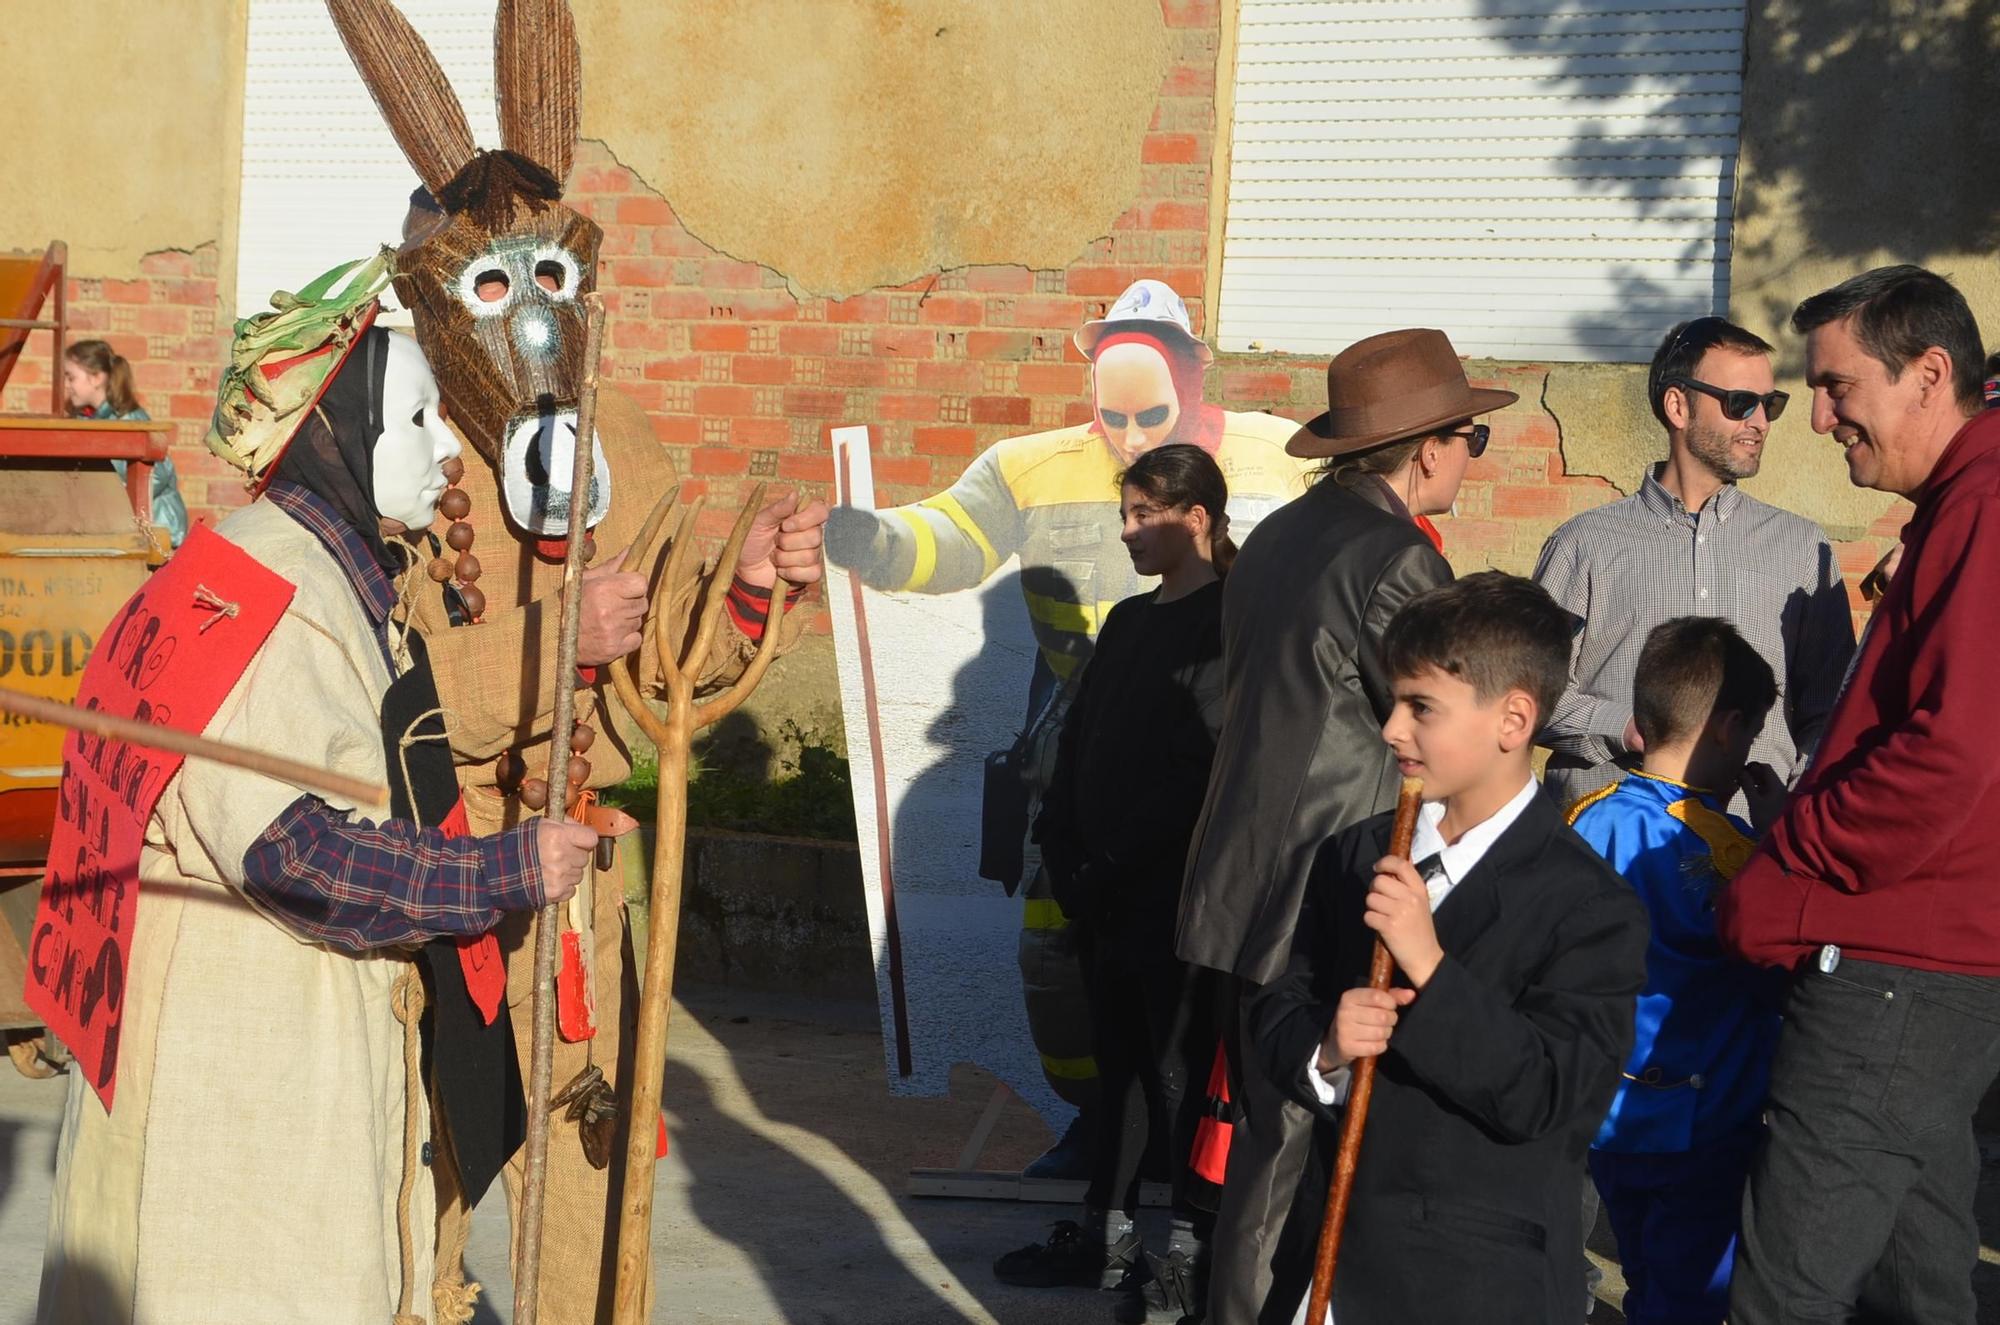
(775, 913)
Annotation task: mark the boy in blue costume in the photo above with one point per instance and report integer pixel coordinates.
(1672, 1155)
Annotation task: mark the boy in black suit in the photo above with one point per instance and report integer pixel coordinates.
(1511, 1014)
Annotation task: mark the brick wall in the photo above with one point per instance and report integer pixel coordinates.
(167, 321)
(1516, 493)
(741, 378)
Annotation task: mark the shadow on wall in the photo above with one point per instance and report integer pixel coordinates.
(1860, 119)
(961, 934)
(1867, 136)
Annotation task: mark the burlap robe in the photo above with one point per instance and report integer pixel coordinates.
(250, 1169)
(496, 681)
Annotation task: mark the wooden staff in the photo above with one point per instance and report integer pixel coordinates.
(1360, 1086)
(548, 921)
(96, 722)
(675, 738)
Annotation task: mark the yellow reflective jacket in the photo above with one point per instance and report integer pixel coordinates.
(1052, 499)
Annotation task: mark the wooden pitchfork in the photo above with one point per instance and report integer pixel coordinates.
(674, 735)
(1360, 1086)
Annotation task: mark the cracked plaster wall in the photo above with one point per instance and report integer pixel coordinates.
(126, 136)
(852, 144)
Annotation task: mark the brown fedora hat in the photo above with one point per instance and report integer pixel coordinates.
(1388, 387)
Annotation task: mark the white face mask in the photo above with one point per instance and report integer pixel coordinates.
(415, 442)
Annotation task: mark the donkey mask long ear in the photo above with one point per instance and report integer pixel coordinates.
(408, 86)
(538, 75)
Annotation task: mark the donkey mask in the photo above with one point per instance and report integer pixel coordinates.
(495, 283)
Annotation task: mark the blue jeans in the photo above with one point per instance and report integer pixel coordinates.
(1860, 1200)
(1675, 1218)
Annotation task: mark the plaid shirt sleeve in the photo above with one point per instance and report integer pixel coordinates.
(356, 887)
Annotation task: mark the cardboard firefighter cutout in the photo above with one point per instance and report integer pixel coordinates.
(1047, 503)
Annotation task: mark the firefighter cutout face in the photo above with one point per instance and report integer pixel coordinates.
(410, 454)
(1136, 404)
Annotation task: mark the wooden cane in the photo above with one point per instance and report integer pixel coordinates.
(131, 731)
(1360, 1086)
(674, 736)
(548, 921)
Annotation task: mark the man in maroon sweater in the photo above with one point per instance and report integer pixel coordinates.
(1880, 885)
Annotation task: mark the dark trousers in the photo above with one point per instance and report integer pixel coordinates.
(1267, 1154)
(1860, 1199)
(1675, 1218)
(1154, 1038)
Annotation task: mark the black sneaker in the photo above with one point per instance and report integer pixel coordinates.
(1071, 1259)
(1175, 1294)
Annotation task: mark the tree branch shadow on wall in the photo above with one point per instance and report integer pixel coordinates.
(1867, 137)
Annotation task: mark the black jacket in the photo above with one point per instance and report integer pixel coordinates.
(1465, 1205)
(1132, 764)
(1301, 754)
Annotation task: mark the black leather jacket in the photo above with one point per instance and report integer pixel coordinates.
(1301, 754)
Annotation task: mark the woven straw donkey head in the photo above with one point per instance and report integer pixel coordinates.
(495, 277)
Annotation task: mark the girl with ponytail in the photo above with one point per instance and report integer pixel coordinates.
(98, 380)
(1131, 770)
(99, 383)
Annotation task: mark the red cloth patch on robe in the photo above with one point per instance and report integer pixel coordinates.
(478, 956)
(170, 657)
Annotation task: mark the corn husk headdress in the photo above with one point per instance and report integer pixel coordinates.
(281, 362)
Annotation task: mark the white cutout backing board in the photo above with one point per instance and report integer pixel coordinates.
(949, 677)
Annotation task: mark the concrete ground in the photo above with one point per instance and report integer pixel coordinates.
(783, 1199)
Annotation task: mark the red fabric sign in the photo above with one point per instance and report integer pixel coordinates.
(478, 955)
(170, 657)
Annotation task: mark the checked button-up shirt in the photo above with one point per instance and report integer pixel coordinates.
(358, 886)
(1624, 568)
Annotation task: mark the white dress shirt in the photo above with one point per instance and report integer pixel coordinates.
(1456, 860)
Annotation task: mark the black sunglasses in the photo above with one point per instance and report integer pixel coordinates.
(1148, 418)
(1737, 405)
(1475, 437)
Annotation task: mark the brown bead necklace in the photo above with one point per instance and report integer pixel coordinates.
(458, 574)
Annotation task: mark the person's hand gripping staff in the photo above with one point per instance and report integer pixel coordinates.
(1398, 909)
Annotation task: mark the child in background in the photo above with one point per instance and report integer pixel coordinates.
(1671, 1158)
(98, 382)
(1501, 1039)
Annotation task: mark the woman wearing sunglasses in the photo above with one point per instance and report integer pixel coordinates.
(1420, 475)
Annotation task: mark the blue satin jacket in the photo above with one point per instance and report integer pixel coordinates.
(1707, 1023)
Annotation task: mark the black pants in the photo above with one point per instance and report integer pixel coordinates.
(1860, 1201)
(1267, 1156)
(1153, 1035)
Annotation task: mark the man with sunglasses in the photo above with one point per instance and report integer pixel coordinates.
(1690, 542)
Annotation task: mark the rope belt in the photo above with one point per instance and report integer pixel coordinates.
(407, 1001)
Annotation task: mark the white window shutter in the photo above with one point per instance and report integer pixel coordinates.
(323, 181)
(1542, 179)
